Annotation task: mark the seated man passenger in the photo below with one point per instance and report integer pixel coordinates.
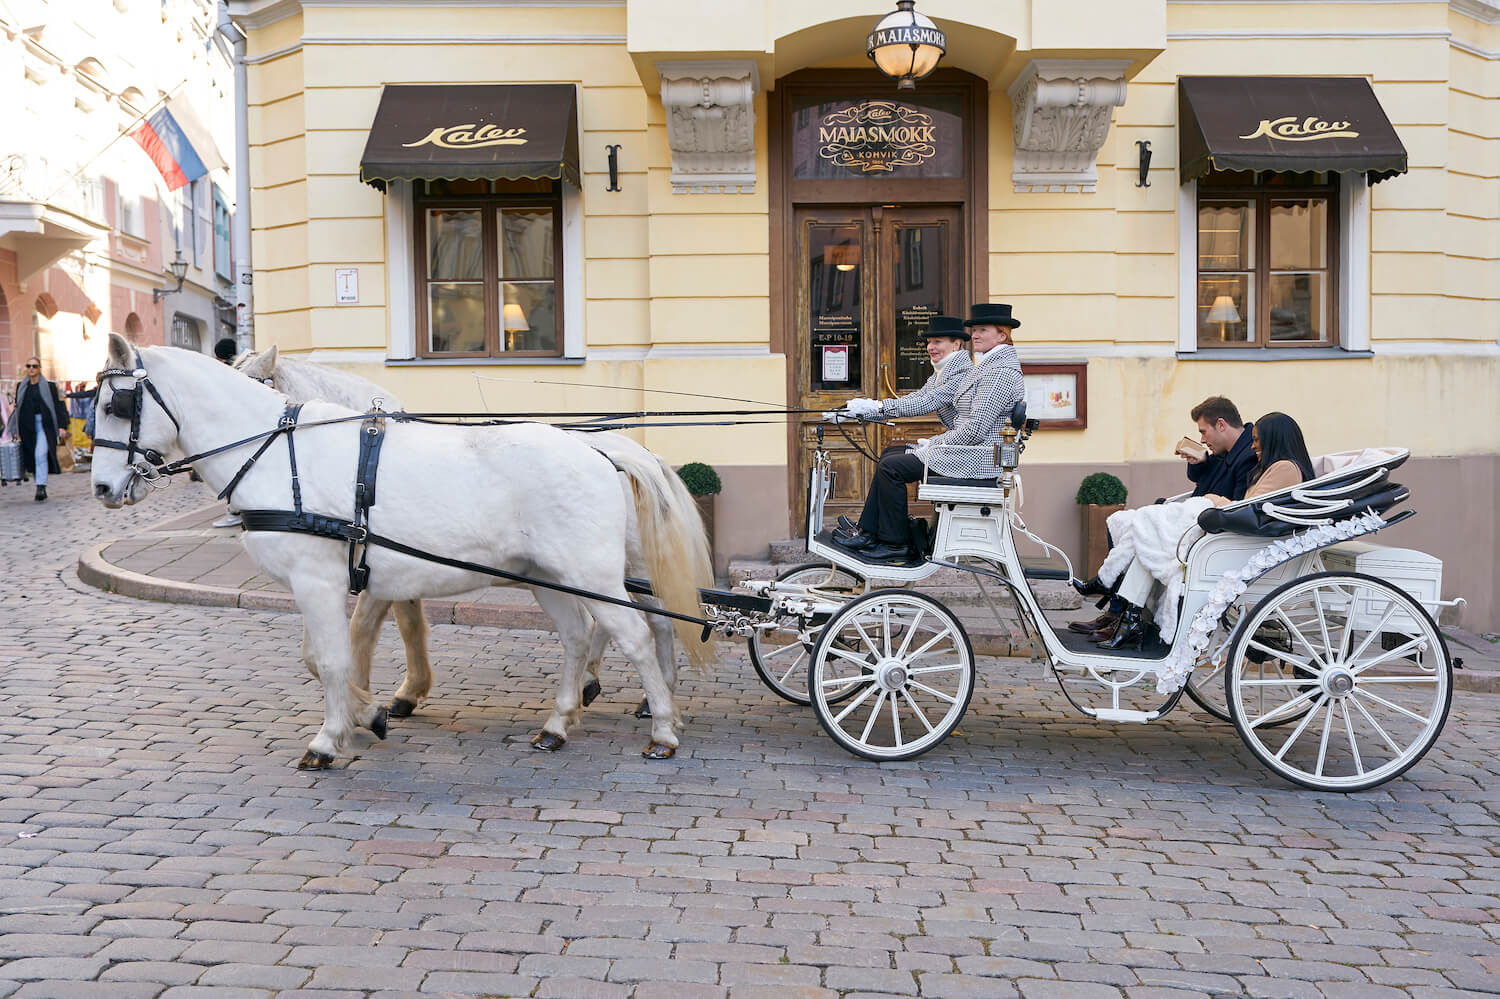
(982, 400)
(1146, 539)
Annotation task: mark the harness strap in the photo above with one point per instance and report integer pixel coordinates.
(371, 436)
(289, 423)
(288, 420)
(345, 530)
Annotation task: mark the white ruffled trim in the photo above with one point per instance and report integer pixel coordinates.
(1174, 672)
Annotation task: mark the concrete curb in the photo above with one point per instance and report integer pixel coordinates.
(94, 570)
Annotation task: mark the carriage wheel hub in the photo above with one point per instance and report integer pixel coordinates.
(893, 674)
(1339, 683)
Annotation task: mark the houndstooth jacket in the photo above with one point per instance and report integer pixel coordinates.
(984, 400)
(937, 395)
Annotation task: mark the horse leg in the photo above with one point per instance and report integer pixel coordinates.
(345, 706)
(364, 632)
(663, 635)
(576, 627)
(307, 652)
(633, 637)
(413, 624)
(591, 686)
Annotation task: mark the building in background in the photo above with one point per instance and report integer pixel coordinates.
(88, 226)
(592, 204)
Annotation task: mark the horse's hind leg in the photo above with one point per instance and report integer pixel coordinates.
(591, 685)
(663, 635)
(576, 627)
(326, 643)
(364, 632)
(634, 638)
(414, 689)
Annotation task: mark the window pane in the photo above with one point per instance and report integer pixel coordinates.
(529, 317)
(1299, 234)
(919, 288)
(456, 317)
(526, 243)
(1298, 307)
(455, 248)
(1226, 236)
(836, 258)
(1226, 309)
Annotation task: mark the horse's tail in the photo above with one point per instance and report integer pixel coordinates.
(672, 541)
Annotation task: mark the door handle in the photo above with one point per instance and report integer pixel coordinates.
(885, 378)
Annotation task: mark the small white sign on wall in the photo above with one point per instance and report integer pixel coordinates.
(346, 285)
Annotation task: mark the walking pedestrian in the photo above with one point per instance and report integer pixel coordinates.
(40, 420)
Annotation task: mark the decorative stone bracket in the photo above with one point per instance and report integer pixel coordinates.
(1062, 109)
(710, 124)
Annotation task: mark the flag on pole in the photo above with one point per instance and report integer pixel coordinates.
(178, 143)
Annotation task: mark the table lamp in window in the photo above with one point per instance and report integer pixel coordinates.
(515, 322)
(1222, 312)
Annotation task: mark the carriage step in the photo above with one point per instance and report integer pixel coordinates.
(1124, 715)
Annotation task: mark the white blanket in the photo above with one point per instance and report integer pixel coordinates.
(1150, 535)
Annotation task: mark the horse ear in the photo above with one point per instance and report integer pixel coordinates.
(261, 366)
(119, 352)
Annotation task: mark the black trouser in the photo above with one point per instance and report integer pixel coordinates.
(884, 515)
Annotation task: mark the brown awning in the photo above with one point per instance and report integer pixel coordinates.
(473, 132)
(1284, 123)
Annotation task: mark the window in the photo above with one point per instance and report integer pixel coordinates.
(489, 268)
(185, 333)
(1267, 273)
(132, 214)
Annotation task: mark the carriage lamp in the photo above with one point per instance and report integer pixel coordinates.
(179, 271)
(906, 45)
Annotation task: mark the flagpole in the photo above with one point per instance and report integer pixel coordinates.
(105, 148)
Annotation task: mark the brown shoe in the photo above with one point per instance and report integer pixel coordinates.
(1103, 621)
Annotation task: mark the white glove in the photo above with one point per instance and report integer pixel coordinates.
(834, 416)
(921, 444)
(862, 407)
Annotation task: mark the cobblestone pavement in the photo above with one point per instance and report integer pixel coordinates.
(155, 839)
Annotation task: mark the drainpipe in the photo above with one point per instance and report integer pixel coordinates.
(244, 320)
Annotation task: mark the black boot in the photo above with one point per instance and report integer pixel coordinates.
(41, 493)
(1092, 588)
(1130, 631)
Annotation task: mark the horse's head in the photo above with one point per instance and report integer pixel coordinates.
(133, 430)
(258, 365)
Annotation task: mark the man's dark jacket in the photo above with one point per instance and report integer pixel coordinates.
(1226, 474)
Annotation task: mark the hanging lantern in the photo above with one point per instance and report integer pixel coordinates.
(906, 45)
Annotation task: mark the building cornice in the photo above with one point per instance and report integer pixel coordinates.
(468, 39)
(254, 14)
(1483, 11)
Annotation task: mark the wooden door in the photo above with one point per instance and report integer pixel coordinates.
(868, 279)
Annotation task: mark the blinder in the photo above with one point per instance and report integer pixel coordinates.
(128, 404)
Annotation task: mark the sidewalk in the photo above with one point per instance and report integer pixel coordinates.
(186, 560)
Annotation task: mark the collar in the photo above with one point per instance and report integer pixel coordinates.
(999, 350)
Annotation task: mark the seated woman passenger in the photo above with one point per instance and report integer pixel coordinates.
(982, 399)
(1146, 540)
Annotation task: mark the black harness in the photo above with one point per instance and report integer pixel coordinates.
(127, 403)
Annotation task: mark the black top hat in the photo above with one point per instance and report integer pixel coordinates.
(991, 314)
(946, 326)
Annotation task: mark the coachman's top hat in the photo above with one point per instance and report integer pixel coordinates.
(991, 314)
(946, 326)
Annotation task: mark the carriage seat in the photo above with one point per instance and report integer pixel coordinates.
(949, 480)
(1347, 484)
(952, 489)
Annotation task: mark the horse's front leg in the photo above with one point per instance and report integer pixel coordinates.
(346, 706)
(364, 632)
(576, 627)
(414, 689)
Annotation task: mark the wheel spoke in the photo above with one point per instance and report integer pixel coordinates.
(935, 693)
(896, 721)
(1394, 707)
(1288, 706)
(1301, 727)
(780, 650)
(944, 668)
(1359, 765)
(1391, 743)
(847, 681)
(917, 710)
(885, 628)
(1348, 618)
(930, 643)
(791, 669)
(1280, 654)
(1390, 612)
(1323, 742)
(1424, 678)
(910, 633)
(1301, 638)
(1322, 619)
(1294, 682)
(870, 722)
(855, 703)
(869, 642)
(1402, 650)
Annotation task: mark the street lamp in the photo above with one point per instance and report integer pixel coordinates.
(906, 45)
(179, 271)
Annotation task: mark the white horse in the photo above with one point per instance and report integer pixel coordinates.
(305, 381)
(526, 499)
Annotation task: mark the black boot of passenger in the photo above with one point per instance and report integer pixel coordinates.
(1130, 632)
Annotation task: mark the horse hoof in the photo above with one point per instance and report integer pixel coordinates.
(378, 723)
(548, 741)
(400, 709)
(643, 709)
(591, 690)
(659, 751)
(312, 760)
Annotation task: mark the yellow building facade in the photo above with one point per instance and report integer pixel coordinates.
(745, 212)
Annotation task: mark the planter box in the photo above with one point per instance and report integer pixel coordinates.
(706, 511)
(1095, 537)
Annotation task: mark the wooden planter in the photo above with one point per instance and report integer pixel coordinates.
(1095, 537)
(706, 511)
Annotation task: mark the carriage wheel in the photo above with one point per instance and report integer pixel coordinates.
(780, 656)
(902, 663)
(1368, 713)
(1205, 684)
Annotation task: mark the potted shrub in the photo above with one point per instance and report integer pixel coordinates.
(703, 482)
(1100, 495)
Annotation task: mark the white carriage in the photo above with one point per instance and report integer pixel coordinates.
(1335, 679)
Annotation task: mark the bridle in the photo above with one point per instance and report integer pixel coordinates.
(128, 404)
